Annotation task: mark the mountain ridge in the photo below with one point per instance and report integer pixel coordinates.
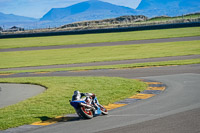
(12, 17)
(152, 8)
(92, 9)
(98, 10)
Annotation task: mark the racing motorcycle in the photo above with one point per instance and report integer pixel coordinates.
(88, 110)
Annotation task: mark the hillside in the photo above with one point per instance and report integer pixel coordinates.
(94, 10)
(88, 10)
(152, 8)
(14, 18)
(112, 21)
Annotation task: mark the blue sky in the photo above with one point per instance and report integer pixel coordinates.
(37, 8)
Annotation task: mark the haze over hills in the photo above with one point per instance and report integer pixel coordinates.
(97, 10)
(16, 18)
(152, 8)
(88, 10)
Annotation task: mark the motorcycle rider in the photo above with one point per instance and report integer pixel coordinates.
(89, 97)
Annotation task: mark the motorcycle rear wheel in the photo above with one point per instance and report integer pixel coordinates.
(87, 114)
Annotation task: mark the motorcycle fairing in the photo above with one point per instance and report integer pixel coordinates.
(76, 103)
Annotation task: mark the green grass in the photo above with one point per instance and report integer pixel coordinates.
(97, 54)
(190, 16)
(96, 38)
(140, 65)
(120, 66)
(54, 101)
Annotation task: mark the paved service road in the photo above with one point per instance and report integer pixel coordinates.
(126, 73)
(14, 93)
(105, 44)
(107, 63)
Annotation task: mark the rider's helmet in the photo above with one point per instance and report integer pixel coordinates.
(76, 92)
(76, 96)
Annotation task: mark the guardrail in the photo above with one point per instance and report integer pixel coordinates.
(108, 30)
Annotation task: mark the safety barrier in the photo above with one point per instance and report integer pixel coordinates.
(108, 30)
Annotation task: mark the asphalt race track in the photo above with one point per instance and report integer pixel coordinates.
(176, 110)
(14, 93)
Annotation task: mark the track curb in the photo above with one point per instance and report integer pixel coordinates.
(154, 88)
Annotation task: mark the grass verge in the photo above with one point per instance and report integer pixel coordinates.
(164, 18)
(97, 38)
(97, 54)
(54, 101)
(120, 66)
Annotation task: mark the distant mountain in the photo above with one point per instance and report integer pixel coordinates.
(98, 10)
(88, 10)
(152, 8)
(14, 18)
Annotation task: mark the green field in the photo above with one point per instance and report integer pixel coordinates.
(190, 16)
(54, 101)
(96, 38)
(97, 54)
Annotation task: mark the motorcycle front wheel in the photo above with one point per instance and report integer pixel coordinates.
(85, 113)
(104, 110)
